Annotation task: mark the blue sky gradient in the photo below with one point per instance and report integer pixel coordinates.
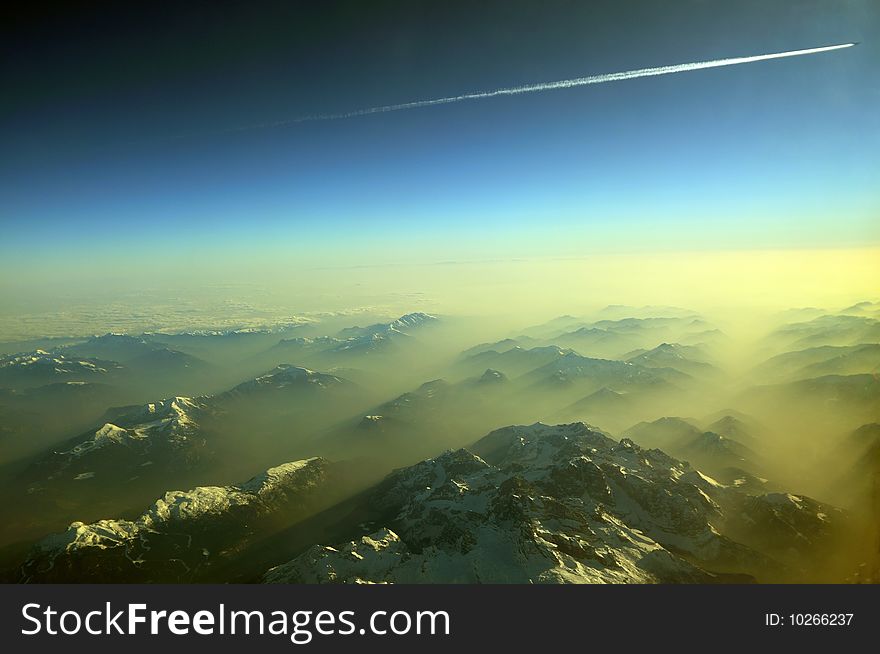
(122, 143)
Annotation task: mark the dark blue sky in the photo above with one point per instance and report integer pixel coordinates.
(120, 128)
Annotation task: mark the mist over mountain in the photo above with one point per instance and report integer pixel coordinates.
(419, 450)
(564, 504)
(185, 534)
(823, 360)
(441, 292)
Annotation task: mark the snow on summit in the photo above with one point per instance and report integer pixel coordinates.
(182, 535)
(556, 504)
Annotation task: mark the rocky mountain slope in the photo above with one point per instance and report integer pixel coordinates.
(183, 535)
(568, 504)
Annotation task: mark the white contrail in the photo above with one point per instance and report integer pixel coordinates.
(549, 86)
(577, 81)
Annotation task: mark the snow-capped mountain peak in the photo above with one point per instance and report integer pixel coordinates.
(558, 504)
